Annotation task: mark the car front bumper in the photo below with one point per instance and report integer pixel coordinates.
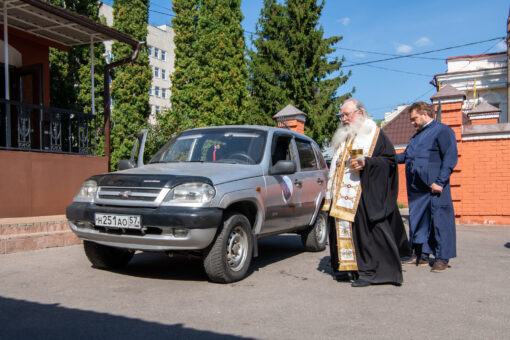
(163, 228)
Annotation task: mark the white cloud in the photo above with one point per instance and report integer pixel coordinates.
(501, 46)
(403, 48)
(360, 55)
(423, 41)
(344, 21)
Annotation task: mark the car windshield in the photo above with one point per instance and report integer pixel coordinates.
(225, 145)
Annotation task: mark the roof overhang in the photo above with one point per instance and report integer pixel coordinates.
(56, 24)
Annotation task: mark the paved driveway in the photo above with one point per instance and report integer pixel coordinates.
(55, 293)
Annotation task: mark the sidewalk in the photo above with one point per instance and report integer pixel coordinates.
(30, 233)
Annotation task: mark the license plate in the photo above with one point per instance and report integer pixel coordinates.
(118, 221)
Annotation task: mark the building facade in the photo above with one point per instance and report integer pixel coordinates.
(160, 41)
(482, 78)
(161, 47)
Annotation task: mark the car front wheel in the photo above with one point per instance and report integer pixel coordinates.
(229, 257)
(105, 257)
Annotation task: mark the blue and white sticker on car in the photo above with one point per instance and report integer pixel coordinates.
(287, 188)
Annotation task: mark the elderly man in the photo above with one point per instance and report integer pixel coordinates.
(368, 236)
(430, 158)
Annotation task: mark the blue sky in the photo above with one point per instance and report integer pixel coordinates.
(396, 28)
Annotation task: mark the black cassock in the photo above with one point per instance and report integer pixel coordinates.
(379, 236)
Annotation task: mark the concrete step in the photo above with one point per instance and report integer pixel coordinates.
(30, 233)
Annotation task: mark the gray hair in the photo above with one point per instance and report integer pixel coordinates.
(358, 106)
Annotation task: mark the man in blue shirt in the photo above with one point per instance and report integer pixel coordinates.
(429, 160)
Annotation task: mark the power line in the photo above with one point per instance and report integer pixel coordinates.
(392, 106)
(399, 71)
(421, 53)
(382, 53)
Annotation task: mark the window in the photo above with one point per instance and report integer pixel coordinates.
(306, 155)
(156, 72)
(281, 149)
(150, 91)
(156, 52)
(163, 93)
(228, 145)
(163, 74)
(163, 55)
(157, 95)
(320, 158)
(149, 50)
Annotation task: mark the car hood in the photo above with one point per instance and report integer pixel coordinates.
(217, 173)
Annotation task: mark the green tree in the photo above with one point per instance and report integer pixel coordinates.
(130, 82)
(290, 66)
(220, 51)
(186, 70)
(70, 84)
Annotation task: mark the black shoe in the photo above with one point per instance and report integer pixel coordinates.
(353, 276)
(360, 283)
(344, 276)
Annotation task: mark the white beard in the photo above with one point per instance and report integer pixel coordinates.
(360, 126)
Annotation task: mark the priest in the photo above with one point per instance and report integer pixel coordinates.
(367, 235)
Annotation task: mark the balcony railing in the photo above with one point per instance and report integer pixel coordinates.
(29, 127)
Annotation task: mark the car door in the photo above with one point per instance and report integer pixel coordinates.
(311, 178)
(283, 192)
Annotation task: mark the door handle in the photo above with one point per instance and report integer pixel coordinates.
(319, 180)
(297, 183)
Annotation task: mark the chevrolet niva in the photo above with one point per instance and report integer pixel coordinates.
(210, 191)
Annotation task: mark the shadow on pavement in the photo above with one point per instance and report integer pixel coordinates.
(160, 266)
(275, 249)
(190, 268)
(22, 319)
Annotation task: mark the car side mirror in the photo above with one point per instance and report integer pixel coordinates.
(125, 164)
(283, 167)
(136, 152)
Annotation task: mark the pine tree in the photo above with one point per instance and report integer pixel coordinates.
(267, 95)
(220, 51)
(290, 66)
(131, 82)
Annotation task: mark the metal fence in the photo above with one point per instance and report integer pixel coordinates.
(30, 127)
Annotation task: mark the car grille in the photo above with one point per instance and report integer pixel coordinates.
(130, 196)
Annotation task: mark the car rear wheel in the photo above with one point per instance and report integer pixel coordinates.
(229, 257)
(105, 257)
(314, 238)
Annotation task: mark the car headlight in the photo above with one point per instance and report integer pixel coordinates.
(87, 191)
(191, 193)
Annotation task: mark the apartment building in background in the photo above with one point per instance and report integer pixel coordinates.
(161, 47)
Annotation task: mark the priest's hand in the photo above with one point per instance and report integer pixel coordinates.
(358, 163)
(436, 189)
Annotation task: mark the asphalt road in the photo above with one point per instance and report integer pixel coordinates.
(56, 294)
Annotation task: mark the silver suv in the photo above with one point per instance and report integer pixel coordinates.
(214, 191)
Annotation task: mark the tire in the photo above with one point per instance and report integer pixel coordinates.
(229, 258)
(105, 257)
(314, 238)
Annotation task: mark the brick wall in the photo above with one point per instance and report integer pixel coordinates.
(485, 182)
(480, 183)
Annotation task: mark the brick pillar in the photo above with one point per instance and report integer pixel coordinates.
(293, 124)
(291, 118)
(484, 114)
(451, 101)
